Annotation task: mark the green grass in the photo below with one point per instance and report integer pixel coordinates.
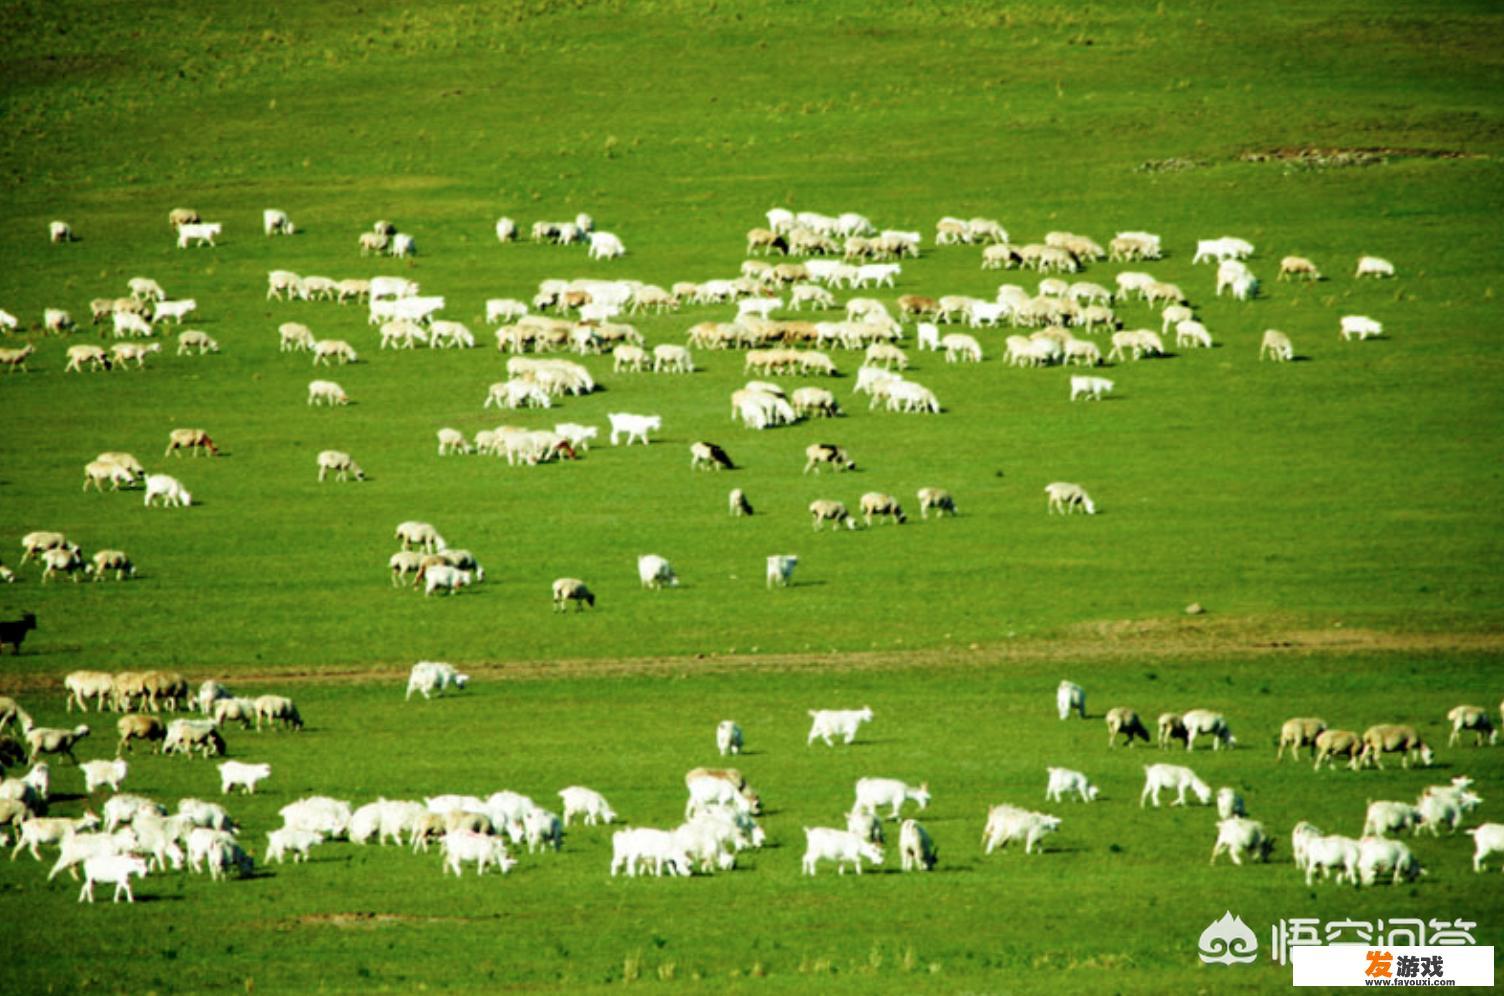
(1352, 493)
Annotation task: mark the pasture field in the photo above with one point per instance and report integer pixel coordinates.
(1339, 516)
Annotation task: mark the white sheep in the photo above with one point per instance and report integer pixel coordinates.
(828, 723)
(275, 222)
(1383, 816)
(874, 793)
(1092, 388)
(1213, 724)
(447, 579)
(1070, 697)
(97, 773)
(656, 572)
(1007, 823)
(115, 869)
(728, 737)
(326, 392)
(841, 846)
(1488, 838)
(1361, 326)
(199, 232)
(59, 231)
(566, 590)
(938, 499)
(586, 802)
(780, 568)
(1378, 855)
(1373, 266)
(284, 839)
(419, 534)
(169, 489)
(633, 426)
(1229, 803)
(1064, 780)
(1238, 836)
(340, 463)
(434, 676)
(1277, 345)
(237, 774)
(915, 848)
(1176, 777)
(1065, 498)
(1471, 717)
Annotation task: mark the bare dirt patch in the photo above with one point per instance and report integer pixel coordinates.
(1315, 157)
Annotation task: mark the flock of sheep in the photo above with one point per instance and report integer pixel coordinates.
(133, 835)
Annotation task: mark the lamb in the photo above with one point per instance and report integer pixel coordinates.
(275, 222)
(1071, 697)
(1488, 838)
(633, 426)
(709, 456)
(192, 440)
(821, 510)
(199, 232)
(1331, 743)
(656, 572)
(1377, 856)
(1361, 326)
(340, 463)
(1213, 724)
(46, 740)
(874, 793)
(588, 803)
(1277, 345)
(828, 723)
(1471, 717)
(434, 676)
(1386, 738)
(138, 727)
(1007, 823)
(167, 488)
(1373, 266)
(1238, 836)
(879, 505)
(1092, 388)
(841, 846)
(1121, 719)
(568, 590)
(1172, 776)
(1297, 733)
(236, 774)
(1064, 780)
(1065, 498)
(277, 709)
(326, 392)
(421, 535)
(781, 569)
(829, 454)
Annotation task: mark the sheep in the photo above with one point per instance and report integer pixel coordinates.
(829, 454)
(634, 847)
(421, 535)
(1488, 838)
(737, 502)
(15, 359)
(1297, 266)
(841, 846)
(83, 353)
(1065, 498)
(1384, 816)
(1387, 738)
(199, 232)
(879, 505)
(1007, 823)
(111, 560)
(339, 349)
(318, 813)
(1092, 388)
(1070, 697)
(1297, 733)
(1064, 780)
(822, 510)
(403, 245)
(34, 544)
(326, 392)
(1373, 266)
(11, 709)
(781, 569)
(235, 710)
(1277, 345)
(235, 774)
(1331, 743)
(299, 842)
(445, 578)
(184, 736)
(1378, 855)
(1172, 776)
(167, 488)
(434, 676)
(277, 709)
(1438, 807)
(581, 801)
(566, 590)
(219, 850)
(1238, 836)
(1471, 717)
(403, 563)
(275, 222)
(122, 353)
(633, 426)
(1361, 326)
(1229, 803)
(342, 465)
(709, 456)
(34, 831)
(61, 561)
(1213, 724)
(828, 723)
(874, 793)
(655, 572)
(138, 727)
(115, 869)
(47, 740)
(1124, 720)
(605, 245)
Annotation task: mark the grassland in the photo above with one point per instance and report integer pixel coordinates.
(1353, 493)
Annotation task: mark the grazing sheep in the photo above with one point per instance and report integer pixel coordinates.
(111, 560)
(236, 774)
(15, 359)
(938, 499)
(1332, 743)
(184, 736)
(1064, 780)
(46, 740)
(1092, 388)
(83, 353)
(1488, 838)
(1277, 345)
(1070, 697)
(167, 488)
(10, 709)
(828, 723)
(1065, 498)
(61, 561)
(566, 590)
(709, 456)
(841, 846)
(822, 510)
(829, 454)
(1389, 738)
(445, 578)
(738, 503)
(585, 802)
(113, 869)
(1238, 836)
(235, 710)
(340, 463)
(728, 737)
(421, 535)
(275, 222)
(1213, 724)
(1378, 855)
(1297, 266)
(277, 710)
(1297, 733)
(1471, 717)
(35, 543)
(655, 572)
(781, 569)
(138, 727)
(434, 676)
(299, 842)
(1007, 823)
(1121, 719)
(326, 392)
(874, 793)
(879, 505)
(1176, 777)
(1373, 266)
(198, 232)
(1229, 803)
(1359, 325)
(916, 850)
